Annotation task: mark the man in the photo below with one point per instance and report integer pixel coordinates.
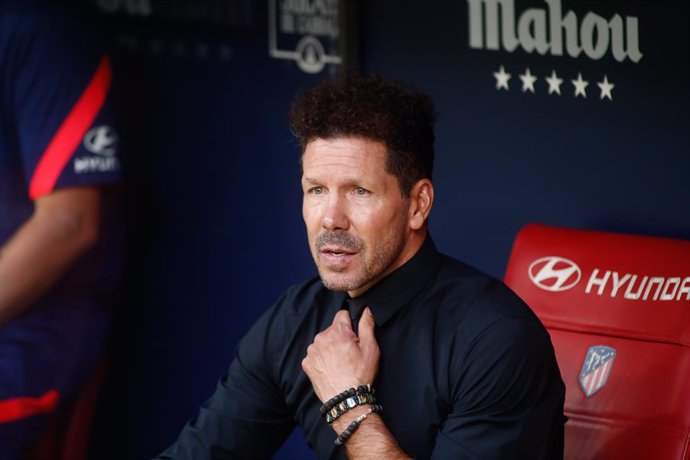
(460, 366)
(57, 155)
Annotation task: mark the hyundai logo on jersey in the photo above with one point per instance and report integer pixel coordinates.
(101, 140)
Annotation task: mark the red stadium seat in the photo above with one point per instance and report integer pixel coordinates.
(618, 310)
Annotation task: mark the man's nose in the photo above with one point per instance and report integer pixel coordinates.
(335, 214)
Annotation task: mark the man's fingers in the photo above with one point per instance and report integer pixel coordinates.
(366, 328)
(343, 317)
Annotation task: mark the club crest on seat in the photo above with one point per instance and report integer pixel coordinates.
(596, 369)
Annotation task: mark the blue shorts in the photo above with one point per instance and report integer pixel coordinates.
(45, 357)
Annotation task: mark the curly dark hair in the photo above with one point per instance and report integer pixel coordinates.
(375, 108)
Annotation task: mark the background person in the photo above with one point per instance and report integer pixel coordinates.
(58, 251)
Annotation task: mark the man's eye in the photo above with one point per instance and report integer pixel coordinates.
(317, 190)
(361, 191)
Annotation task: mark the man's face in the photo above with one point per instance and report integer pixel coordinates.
(356, 217)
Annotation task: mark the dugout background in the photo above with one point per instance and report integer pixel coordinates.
(214, 231)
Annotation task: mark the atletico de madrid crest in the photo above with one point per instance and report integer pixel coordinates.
(596, 369)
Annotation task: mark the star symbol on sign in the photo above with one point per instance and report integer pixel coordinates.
(502, 78)
(554, 83)
(528, 81)
(606, 88)
(580, 85)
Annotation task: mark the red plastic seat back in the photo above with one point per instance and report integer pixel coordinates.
(618, 310)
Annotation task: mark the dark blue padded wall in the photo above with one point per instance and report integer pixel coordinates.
(509, 157)
(214, 225)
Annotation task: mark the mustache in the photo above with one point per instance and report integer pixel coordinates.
(340, 239)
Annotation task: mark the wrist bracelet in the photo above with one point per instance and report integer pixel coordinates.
(349, 403)
(352, 427)
(337, 399)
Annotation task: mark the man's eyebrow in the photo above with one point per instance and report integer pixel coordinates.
(348, 181)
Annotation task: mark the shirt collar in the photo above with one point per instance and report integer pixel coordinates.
(393, 292)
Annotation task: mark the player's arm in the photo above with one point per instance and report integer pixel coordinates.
(63, 226)
(338, 360)
(371, 440)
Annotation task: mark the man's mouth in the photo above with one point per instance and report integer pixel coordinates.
(336, 251)
(336, 258)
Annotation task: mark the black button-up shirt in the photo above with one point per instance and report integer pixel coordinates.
(466, 371)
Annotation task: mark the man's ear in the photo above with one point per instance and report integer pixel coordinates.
(421, 199)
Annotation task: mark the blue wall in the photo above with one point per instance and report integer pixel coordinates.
(214, 226)
(506, 158)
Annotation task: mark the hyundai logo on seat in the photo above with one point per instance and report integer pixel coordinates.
(553, 273)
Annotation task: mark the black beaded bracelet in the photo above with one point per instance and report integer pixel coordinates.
(337, 399)
(349, 403)
(352, 427)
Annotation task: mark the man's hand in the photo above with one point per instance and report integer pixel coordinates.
(339, 360)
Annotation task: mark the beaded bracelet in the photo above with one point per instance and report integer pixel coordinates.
(349, 403)
(337, 399)
(352, 427)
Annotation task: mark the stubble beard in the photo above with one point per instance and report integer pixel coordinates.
(383, 255)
